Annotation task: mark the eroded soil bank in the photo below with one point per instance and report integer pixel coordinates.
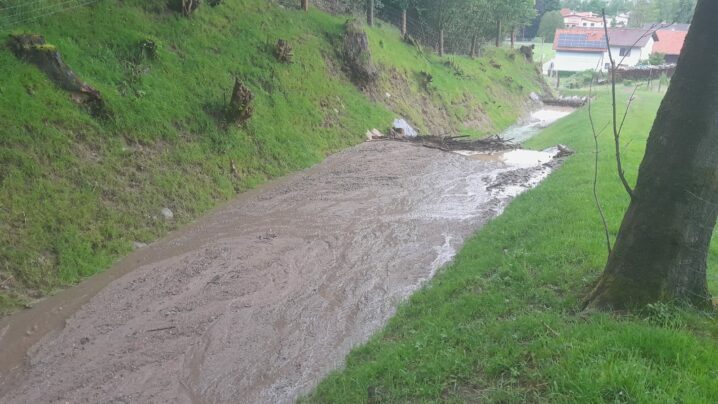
(259, 300)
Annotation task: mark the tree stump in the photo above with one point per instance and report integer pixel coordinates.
(357, 56)
(189, 6)
(240, 106)
(283, 51)
(33, 49)
(528, 52)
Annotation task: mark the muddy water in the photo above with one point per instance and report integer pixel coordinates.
(535, 123)
(259, 300)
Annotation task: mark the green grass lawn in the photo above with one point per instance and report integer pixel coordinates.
(502, 322)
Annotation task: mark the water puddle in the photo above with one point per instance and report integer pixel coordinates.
(513, 158)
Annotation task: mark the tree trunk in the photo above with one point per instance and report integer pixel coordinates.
(441, 42)
(662, 246)
(403, 23)
(474, 44)
(498, 33)
(305, 5)
(513, 37)
(370, 12)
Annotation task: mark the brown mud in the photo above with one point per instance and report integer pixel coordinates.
(260, 299)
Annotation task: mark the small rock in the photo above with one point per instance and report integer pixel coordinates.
(535, 97)
(138, 245)
(84, 340)
(376, 134)
(387, 95)
(167, 213)
(408, 131)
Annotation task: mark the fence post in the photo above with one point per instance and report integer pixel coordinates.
(474, 41)
(498, 33)
(305, 5)
(403, 23)
(370, 12)
(441, 42)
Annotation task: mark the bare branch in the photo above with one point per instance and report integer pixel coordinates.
(595, 166)
(616, 133)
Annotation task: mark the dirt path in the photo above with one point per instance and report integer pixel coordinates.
(259, 300)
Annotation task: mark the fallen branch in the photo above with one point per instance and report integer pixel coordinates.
(162, 329)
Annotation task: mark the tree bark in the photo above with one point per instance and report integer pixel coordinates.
(498, 33)
(305, 5)
(662, 247)
(441, 42)
(403, 23)
(370, 12)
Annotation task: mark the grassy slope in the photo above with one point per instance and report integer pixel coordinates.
(501, 322)
(77, 192)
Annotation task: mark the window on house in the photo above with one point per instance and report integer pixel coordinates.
(607, 66)
(593, 25)
(625, 52)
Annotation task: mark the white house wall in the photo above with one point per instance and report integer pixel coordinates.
(637, 54)
(577, 61)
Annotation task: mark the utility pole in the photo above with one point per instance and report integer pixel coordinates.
(370, 12)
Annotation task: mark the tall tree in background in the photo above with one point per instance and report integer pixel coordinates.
(684, 11)
(616, 7)
(662, 247)
(550, 22)
(510, 14)
(643, 12)
(479, 22)
(439, 14)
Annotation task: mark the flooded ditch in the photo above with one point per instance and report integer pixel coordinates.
(260, 299)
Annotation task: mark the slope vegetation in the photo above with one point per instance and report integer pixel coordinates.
(79, 191)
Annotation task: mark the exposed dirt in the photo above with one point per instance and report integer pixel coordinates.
(259, 300)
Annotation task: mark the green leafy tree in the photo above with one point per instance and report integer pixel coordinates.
(656, 59)
(684, 11)
(643, 12)
(550, 22)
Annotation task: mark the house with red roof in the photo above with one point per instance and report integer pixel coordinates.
(587, 19)
(670, 43)
(573, 19)
(580, 49)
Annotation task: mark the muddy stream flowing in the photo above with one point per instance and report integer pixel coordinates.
(261, 298)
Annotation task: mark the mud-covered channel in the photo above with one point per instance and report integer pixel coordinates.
(259, 300)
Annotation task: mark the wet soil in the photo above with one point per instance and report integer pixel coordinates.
(260, 299)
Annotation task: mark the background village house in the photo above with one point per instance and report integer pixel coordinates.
(580, 49)
(587, 19)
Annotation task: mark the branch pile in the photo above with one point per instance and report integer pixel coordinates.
(452, 143)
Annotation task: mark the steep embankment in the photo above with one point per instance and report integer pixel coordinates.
(79, 191)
